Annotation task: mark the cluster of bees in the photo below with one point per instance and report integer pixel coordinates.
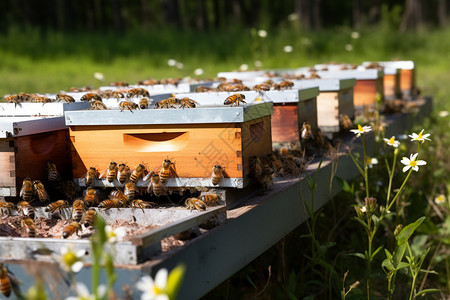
(235, 85)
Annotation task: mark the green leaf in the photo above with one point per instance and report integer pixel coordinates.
(175, 280)
(362, 223)
(401, 265)
(398, 254)
(345, 186)
(360, 255)
(387, 264)
(376, 251)
(429, 272)
(406, 232)
(388, 254)
(423, 292)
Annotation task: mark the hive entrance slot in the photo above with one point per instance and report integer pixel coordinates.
(156, 142)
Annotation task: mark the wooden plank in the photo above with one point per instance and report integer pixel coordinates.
(365, 91)
(284, 117)
(392, 86)
(7, 161)
(175, 227)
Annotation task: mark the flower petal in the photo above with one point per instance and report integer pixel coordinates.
(413, 156)
(406, 168)
(145, 283)
(76, 267)
(415, 168)
(421, 162)
(161, 278)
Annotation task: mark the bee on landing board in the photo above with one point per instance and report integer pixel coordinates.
(70, 229)
(130, 190)
(123, 173)
(195, 203)
(217, 174)
(111, 172)
(141, 204)
(187, 102)
(143, 103)
(167, 170)
(91, 197)
(78, 209)
(56, 206)
(25, 209)
(64, 97)
(211, 199)
(28, 227)
(89, 218)
(89, 97)
(130, 105)
(137, 173)
(90, 176)
(306, 132)
(109, 203)
(119, 196)
(6, 208)
(98, 105)
(26, 192)
(235, 99)
(156, 186)
(138, 92)
(40, 191)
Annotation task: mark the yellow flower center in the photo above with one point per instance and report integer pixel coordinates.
(391, 140)
(360, 129)
(70, 258)
(413, 163)
(420, 136)
(157, 290)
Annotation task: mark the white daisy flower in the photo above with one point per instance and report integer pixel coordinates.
(412, 163)
(392, 142)
(361, 130)
(83, 292)
(154, 289)
(419, 137)
(440, 199)
(71, 260)
(114, 235)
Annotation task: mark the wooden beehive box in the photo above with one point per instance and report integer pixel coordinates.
(26, 144)
(407, 75)
(182, 87)
(290, 109)
(391, 83)
(369, 82)
(194, 139)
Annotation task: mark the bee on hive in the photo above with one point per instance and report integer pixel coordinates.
(306, 132)
(111, 172)
(187, 102)
(117, 94)
(26, 192)
(235, 99)
(261, 87)
(13, 99)
(52, 172)
(137, 173)
(98, 105)
(217, 174)
(91, 176)
(286, 84)
(123, 173)
(130, 105)
(130, 190)
(89, 218)
(8, 282)
(138, 203)
(119, 83)
(25, 97)
(6, 208)
(77, 210)
(211, 199)
(41, 99)
(148, 82)
(314, 75)
(40, 191)
(156, 186)
(64, 97)
(57, 206)
(167, 103)
(28, 227)
(138, 92)
(143, 103)
(120, 196)
(70, 229)
(91, 197)
(167, 170)
(195, 203)
(91, 97)
(110, 203)
(345, 121)
(25, 209)
(205, 89)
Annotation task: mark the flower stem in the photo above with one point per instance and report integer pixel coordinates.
(366, 173)
(391, 176)
(399, 191)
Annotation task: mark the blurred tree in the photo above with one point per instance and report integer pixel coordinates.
(412, 17)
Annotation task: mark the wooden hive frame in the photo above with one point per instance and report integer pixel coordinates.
(194, 139)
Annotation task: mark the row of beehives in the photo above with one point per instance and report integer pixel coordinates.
(196, 139)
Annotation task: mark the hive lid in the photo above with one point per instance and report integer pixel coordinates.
(21, 126)
(243, 75)
(358, 74)
(398, 64)
(199, 115)
(39, 109)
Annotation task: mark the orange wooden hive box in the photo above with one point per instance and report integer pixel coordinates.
(194, 139)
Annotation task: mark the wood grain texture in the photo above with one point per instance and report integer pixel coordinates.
(366, 90)
(391, 86)
(285, 123)
(7, 163)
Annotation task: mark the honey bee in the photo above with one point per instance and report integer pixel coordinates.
(285, 85)
(211, 199)
(167, 170)
(167, 103)
(40, 191)
(52, 172)
(69, 189)
(98, 105)
(143, 103)
(345, 121)
(77, 210)
(117, 94)
(217, 174)
(28, 227)
(234, 99)
(26, 192)
(156, 186)
(137, 173)
(91, 197)
(205, 89)
(120, 196)
(119, 83)
(130, 190)
(25, 209)
(195, 203)
(64, 97)
(148, 82)
(111, 172)
(90, 176)
(5, 208)
(138, 92)
(70, 229)
(314, 75)
(91, 97)
(12, 99)
(306, 132)
(122, 173)
(8, 282)
(261, 87)
(110, 203)
(41, 99)
(138, 203)
(130, 105)
(89, 218)
(187, 102)
(25, 97)
(80, 89)
(57, 206)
